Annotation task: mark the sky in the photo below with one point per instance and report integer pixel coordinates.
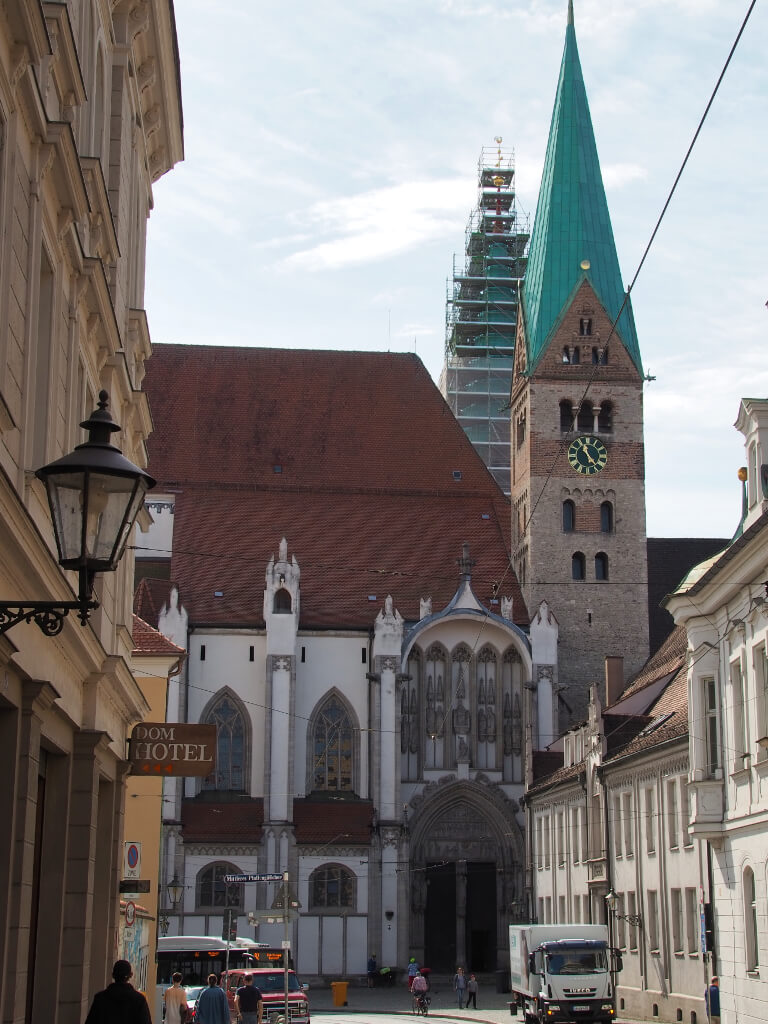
(331, 154)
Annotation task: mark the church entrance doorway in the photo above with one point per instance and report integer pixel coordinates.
(451, 938)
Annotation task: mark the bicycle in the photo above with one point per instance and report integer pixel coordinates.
(421, 1003)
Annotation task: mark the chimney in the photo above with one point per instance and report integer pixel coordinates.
(614, 679)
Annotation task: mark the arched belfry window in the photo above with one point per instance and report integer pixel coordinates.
(228, 716)
(605, 418)
(585, 419)
(578, 566)
(566, 416)
(569, 516)
(282, 602)
(213, 893)
(606, 517)
(601, 566)
(332, 887)
(332, 747)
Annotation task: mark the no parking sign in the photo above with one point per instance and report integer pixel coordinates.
(132, 860)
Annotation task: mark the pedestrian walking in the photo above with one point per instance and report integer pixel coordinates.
(120, 1000)
(175, 1000)
(371, 969)
(212, 1006)
(248, 1002)
(460, 986)
(472, 991)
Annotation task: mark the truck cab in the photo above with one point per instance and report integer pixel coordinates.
(564, 978)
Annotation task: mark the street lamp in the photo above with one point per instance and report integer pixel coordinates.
(94, 494)
(612, 902)
(175, 891)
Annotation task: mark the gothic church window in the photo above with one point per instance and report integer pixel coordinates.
(578, 566)
(282, 602)
(231, 748)
(332, 887)
(332, 748)
(213, 893)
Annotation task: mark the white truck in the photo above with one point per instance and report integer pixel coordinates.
(562, 973)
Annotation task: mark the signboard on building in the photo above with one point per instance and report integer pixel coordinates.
(172, 748)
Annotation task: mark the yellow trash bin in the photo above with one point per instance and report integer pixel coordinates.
(339, 989)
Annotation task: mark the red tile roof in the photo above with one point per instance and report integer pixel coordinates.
(147, 640)
(204, 821)
(366, 498)
(340, 822)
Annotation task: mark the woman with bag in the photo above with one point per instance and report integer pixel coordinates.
(175, 999)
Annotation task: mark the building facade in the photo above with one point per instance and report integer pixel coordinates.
(372, 702)
(578, 474)
(723, 605)
(90, 117)
(607, 820)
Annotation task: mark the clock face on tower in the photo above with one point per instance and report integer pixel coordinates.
(587, 454)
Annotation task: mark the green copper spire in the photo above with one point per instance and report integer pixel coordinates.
(572, 237)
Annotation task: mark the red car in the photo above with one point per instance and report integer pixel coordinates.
(270, 981)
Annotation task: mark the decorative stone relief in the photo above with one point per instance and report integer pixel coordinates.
(506, 608)
(425, 607)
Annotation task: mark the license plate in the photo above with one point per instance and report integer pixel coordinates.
(580, 1009)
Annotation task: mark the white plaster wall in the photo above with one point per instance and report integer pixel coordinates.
(331, 660)
(309, 946)
(744, 996)
(227, 664)
(157, 541)
(333, 948)
(357, 945)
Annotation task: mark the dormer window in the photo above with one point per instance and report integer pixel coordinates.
(282, 604)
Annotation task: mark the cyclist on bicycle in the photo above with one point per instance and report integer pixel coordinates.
(419, 991)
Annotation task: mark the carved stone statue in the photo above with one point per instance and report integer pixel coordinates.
(425, 607)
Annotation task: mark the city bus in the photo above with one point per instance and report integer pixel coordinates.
(197, 956)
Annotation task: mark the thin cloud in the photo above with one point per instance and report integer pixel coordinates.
(378, 224)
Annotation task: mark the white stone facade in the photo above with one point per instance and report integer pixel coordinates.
(724, 606)
(435, 722)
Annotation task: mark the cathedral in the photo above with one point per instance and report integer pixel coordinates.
(380, 635)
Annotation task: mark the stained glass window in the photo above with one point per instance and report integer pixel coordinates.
(332, 748)
(332, 886)
(229, 773)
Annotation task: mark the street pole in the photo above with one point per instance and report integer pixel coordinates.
(286, 942)
(229, 933)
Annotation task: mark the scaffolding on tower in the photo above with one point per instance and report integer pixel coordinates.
(481, 312)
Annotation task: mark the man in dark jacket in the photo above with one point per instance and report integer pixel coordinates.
(119, 1003)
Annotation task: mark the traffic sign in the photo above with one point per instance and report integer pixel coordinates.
(131, 860)
(269, 877)
(130, 914)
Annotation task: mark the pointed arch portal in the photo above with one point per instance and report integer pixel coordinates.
(467, 858)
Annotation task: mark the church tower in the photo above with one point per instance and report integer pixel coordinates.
(578, 488)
